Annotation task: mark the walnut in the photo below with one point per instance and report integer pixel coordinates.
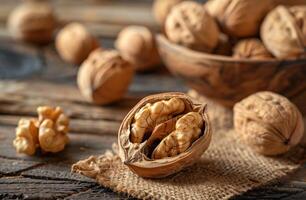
(284, 32)
(104, 77)
(163, 134)
(74, 43)
(161, 9)
(224, 46)
(136, 44)
(268, 122)
(190, 25)
(49, 132)
(251, 49)
(32, 22)
(239, 18)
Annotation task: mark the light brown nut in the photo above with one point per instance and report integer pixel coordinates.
(104, 77)
(163, 134)
(74, 43)
(26, 140)
(284, 32)
(161, 9)
(190, 25)
(32, 22)
(268, 122)
(239, 18)
(137, 45)
(251, 49)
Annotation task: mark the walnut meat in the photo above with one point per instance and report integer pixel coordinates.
(161, 9)
(49, 132)
(251, 49)
(239, 18)
(284, 32)
(136, 44)
(104, 77)
(74, 43)
(268, 122)
(163, 134)
(190, 25)
(32, 22)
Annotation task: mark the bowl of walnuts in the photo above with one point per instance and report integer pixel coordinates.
(229, 49)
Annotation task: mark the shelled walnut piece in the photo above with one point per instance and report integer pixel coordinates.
(163, 134)
(137, 45)
(104, 77)
(49, 132)
(284, 32)
(251, 49)
(190, 25)
(269, 123)
(74, 43)
(32, 22)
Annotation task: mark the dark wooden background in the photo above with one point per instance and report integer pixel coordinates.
(31, 76)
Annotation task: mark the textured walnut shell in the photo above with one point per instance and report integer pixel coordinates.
(251, 49)
(135, 155)
(284, 32)
(32, 22)
(161, 9)
(104, 77)
(239, 18)
(74, 43)
(137, 45)
(190, 25)
(268, 122)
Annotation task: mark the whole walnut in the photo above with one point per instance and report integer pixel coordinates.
(268, 122)
(161, 9)
(32, 22)
(74, 43)
(251, 49)
(104, 77)
(137, 45)
(239, 18)
(190, 25)
(284, 32)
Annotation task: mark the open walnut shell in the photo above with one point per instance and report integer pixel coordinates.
(163, 134)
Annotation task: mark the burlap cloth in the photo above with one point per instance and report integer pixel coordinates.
(226, 169)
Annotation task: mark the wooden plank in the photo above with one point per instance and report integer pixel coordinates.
(10, 166)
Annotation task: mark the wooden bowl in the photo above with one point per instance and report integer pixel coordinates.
(228, 80)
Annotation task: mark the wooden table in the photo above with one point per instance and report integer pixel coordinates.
(32, 76)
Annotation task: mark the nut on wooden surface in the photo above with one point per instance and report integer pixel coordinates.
(161, 9)
(239, 18)
(32, 22)
(284, 32)
(74, 43)
(190, 25)
(269, 123)
(137, 45)
(163, 134)
(104, 77)
(49, 132)
(251, 48)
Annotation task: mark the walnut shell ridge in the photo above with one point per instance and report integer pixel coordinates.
(269, 123)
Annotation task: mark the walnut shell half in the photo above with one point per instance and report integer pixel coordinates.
(163, 134)
(284, 32)
(268, 122)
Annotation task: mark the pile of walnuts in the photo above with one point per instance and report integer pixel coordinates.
(256, 30)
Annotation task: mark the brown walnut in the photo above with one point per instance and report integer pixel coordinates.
(74, 43)
(163, 134)
(32, 22)
(251, 49)
(268, 122)
(137, 45)
(104, 77)
(239, 18)
(284, 32)
(190, 25)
